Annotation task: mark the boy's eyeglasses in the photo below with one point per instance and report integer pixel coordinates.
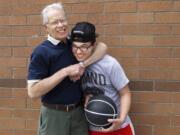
(81, 48)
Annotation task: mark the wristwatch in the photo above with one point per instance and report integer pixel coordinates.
(82, 64)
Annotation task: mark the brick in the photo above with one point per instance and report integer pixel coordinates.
(152, 6)
(176, 75)
(5, 73)
(5, 31)
(34, 20)
(176, 97)
(166, 130)
(26, 9)
(5, 92)
(167, 86)
(111, 40)
(110, 18)
(176, 120)
(5, 51)
(141, 85)
(12, 123)
(155, 52)
(169, 17)
(13, 83)
(4, 20)
(133, 74)
(176, 6)
(19, 93)
(74, 18)
(13, 62)
(176, 110)
(163, 109)
(24, 132)
(32, 124)
(5, 10)
(175, 63)
(156, 74)
(137, 40)
(112, 29)
(22, 51)
(160, 63)
(18, 20)
(5, 113)
(129, 29)
(167, 41)
(33, 103)
(6, 132)
(5, 3)
(142, 108)
(87, 8)
(95, 18)
(5, 41)
(176, 29)
(31, 2)
(176, 52)
(145, 29)
(19, 41)
(20, 73)
(130, 18)
(25, 31)
(120, 7)
(12, 103)
(122, 52)
(152, 119)
(149, 97)
(143, 129)
(130, 62)
(34, 41)
(26, 114)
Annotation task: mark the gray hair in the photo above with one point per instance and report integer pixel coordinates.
(45, 11)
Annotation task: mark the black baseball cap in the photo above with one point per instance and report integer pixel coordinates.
(84, 32)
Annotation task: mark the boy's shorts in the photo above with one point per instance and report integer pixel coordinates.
(128, 130)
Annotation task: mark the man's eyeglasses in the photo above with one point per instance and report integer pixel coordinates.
(81, 48)
(56, 22)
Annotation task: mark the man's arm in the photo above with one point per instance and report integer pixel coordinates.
(37, 89)
(99, 52)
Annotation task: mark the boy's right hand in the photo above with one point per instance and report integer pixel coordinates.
(87, 97)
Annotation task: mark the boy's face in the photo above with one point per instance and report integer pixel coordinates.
(82, 51)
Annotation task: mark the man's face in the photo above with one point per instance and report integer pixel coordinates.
(57, 25)
(82, 50)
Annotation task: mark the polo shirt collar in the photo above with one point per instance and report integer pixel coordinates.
(53, 40)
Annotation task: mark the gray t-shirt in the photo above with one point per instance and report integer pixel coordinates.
(108, 76)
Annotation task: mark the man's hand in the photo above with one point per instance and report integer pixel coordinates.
(73, 70)
(80, 73)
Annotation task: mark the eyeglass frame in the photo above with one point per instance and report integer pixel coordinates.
(82, 48)
(56, 22)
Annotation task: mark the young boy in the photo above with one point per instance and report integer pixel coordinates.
(106, 77)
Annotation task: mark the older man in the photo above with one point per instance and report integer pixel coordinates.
(53, 75)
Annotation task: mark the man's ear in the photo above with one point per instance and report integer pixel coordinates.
(45, 27)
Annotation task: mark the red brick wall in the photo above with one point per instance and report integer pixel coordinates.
(143, 35)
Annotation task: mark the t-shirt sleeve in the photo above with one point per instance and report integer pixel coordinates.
(117, 76)
(38, 67)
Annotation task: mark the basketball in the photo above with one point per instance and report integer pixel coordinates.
(99, 109)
